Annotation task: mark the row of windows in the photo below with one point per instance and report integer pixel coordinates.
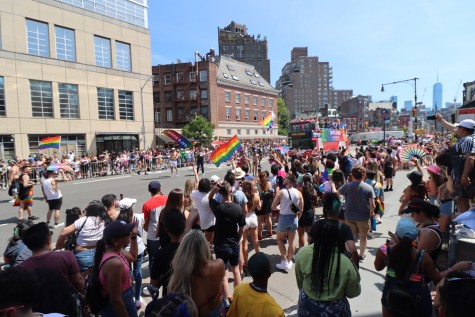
(42, 101)
(180, 112)
(167, 78)
(38, 44)
(241, 47)
(248, 131)
(247, 97)
(247, 113)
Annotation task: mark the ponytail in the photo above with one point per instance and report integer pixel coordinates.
(100, 250)
(400, 258)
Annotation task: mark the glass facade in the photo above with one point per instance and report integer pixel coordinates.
(105, 102)
(3, 111)
(126, 105)
(65, 44)
(102, 51)
(37, 38)
(76, 143)
(7, 147)
(68, 101)
(116, 143)
(41, 99)
(122, 56)
(131, 11)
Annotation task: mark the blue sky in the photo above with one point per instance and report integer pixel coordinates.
(367, 42)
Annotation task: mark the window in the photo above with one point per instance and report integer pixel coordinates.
(235, 77)
(255, 131)
(238, 131)
(179, 77)
(246, 99)
(180, 95)
(261, 84)
(227, 95)
(3, 111)
(256, 114)
(238, 114)
(105, 102)
(168, 95)
(102, 51)
(158, 116)
(204, 111)
(156, 97)
(122, 56)
(248, 131)
(256, 100)
(225, 75)
(228, 113)
(263, 101)
(264, 114)
(167, 78)
(65, 44)
(249, 72)
(126, 105)
(271, 102)
(228, 131)
(68, 101)
(238, 97)
(204, 93)
(247, 113)
(264, 131)
(193, 77)
(253, 81)
(41, 99)
(37, 37)
(203, 75)
(193, 94)
(169, 115)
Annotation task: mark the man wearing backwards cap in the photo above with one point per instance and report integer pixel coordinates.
(462, 155)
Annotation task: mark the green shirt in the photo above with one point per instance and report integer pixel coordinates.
(349, 285)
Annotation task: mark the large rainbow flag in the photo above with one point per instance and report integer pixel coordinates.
(225, 151)
(50, 143)
(268, 121)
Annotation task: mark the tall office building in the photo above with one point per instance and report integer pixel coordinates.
(236, 43)
(408, 105)
(437, 96)
(306, 84)
(74, 69)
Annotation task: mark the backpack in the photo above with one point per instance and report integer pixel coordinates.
(95, 298)
(400, 300)
(346, 165)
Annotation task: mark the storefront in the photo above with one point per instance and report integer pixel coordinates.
(114, 143)
(69, 143)
(7, 147)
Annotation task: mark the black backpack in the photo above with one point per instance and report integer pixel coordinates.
(400, 300)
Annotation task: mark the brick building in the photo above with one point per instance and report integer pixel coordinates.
(230, 94)
(354, 113)
(236, 43)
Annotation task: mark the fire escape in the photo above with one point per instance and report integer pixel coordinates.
(186, 95)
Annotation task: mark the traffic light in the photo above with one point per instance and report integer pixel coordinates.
(414, 112)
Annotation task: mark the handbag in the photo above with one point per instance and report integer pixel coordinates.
(295, 209)
(71, 243)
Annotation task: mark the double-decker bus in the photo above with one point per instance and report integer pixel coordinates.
(300, 134)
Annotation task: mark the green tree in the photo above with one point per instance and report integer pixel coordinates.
(283, 117)
(199, 129)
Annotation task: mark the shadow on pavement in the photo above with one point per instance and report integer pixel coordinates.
(291, 311)
(267, 242)
(372, 271)
(13, 220)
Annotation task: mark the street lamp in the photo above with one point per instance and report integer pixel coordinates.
(415, 95)
(143, 113)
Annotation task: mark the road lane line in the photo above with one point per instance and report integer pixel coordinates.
(102, 180)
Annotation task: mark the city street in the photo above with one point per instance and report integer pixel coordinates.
(282, 285)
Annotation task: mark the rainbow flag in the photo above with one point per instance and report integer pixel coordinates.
(268, 121)
(225, 151)
(179, 139)
(50, 143)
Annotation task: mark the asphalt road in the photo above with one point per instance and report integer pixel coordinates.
(282, 285)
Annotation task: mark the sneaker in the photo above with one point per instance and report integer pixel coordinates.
(361, 258)
(289, 265)
(57, 225)
(283, 265)
(49, 226)
(11, 201)
(33, 218)
(145, 291)
(465, 233)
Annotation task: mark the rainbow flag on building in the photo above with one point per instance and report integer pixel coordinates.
(268, 121)
(225, 151)
(50, 143)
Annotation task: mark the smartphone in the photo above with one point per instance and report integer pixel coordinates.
(392, 235)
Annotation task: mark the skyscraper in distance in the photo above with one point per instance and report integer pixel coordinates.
(437, 96)
(408, 105)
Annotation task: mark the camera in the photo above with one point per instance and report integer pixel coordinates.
(431, 117)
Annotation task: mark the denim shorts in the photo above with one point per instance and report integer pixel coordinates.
(85, 259)
(287, 223)
(446, 208)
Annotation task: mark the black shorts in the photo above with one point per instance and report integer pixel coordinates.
(55, 204)
(306, 220)
(388, 172)
(229, 255)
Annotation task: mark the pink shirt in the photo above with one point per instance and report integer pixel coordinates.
(126, 282)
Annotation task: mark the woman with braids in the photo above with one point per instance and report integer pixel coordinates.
(112, 268)
(309, 201)
(325, 276)
(407, 265)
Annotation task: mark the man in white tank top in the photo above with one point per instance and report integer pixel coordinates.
(53, 197)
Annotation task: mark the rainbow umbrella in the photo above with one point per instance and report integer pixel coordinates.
(59, 166)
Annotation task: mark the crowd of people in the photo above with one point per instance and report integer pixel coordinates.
(196, 235)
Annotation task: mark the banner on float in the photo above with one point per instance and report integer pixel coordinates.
(333, 135)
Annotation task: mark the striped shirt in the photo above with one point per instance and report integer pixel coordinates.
(465, 145)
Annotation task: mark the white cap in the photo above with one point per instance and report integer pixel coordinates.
(214, 179)
(126, 203)
(467, 123)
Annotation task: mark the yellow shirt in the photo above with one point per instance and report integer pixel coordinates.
(249, 303)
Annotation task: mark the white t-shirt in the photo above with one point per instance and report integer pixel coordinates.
(201, 203)
(91, 232)
(140, 244)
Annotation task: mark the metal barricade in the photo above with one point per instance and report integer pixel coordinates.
(4, 179)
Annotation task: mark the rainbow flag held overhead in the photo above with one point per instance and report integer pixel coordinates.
(52, 142)
(268, 121)
(225, 151)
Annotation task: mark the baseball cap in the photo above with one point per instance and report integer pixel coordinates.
(467, 123)
(406, 229)
(434, 169)
(117, 229)
(154, 185)
(415, 177)
(214, 179)
(126, 203)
